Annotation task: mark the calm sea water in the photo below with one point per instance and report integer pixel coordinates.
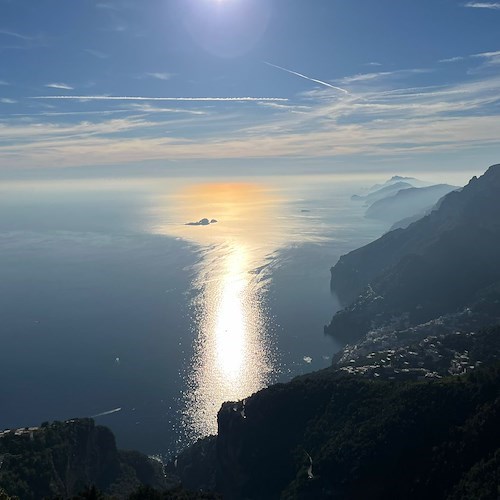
(111, 306)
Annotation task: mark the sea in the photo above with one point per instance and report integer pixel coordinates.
(120, 303)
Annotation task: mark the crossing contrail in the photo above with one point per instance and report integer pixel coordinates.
(325, 84)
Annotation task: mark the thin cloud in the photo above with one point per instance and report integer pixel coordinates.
(363, 77)
(60, 86)
(285, 107)
(141, 98)
(487, 55)
(483, 5)
(5, 100)
(14, 34)
(147, 108)
(23, 41)
(488, 60)
(160, 76)
(96, 53)
(378, 121)
(119, 27)
(3, 82)
(325, 84)
(70, 113)
(107, 6)
(452, 59)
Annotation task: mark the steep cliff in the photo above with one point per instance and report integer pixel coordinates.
(62, 459)
(439, 264)
(330, 436)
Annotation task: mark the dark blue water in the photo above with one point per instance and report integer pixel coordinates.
(101, 291)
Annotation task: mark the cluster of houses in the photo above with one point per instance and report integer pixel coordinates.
(23, 431)
(383, 355)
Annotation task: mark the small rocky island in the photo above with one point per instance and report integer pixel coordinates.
(202, 222)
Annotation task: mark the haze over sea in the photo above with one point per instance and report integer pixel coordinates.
(113, 307)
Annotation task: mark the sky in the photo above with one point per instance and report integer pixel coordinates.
(248, 85)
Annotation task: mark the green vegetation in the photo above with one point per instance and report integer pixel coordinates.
(366, 439)
(4, 496)
(62, 459)
(148, 493)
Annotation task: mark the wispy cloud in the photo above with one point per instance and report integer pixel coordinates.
(97, 53)
(487, 59)
(483, 5)
(67, 113)
(21, 40)
(14, 34)
(61, 86)
(376, 119)
(363, 77)
(285, 107)
(142, 98)
(5, 100)
(106, 6)
(160, 76)
(147, 108)
(452, 59)
(325, 84)
(487, 55)
(118, 26)
(3, 82)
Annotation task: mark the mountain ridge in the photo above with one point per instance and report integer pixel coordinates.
(407, 202)
(461, 221)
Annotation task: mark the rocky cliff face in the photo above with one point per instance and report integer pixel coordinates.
(437, 265)
(61, 459)
(195, 467)
(331, 436)
(379, 428)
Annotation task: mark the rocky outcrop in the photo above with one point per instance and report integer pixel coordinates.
(63, 458)
(327, 435)
(195, 467)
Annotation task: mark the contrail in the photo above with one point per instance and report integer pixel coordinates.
(110, 412)
(136, 98)
(325, 84)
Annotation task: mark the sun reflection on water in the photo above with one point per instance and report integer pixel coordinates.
(230, 323)
(232, 352)
(232, 355)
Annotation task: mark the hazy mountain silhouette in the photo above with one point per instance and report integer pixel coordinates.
(438, 264)
(407, 202)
